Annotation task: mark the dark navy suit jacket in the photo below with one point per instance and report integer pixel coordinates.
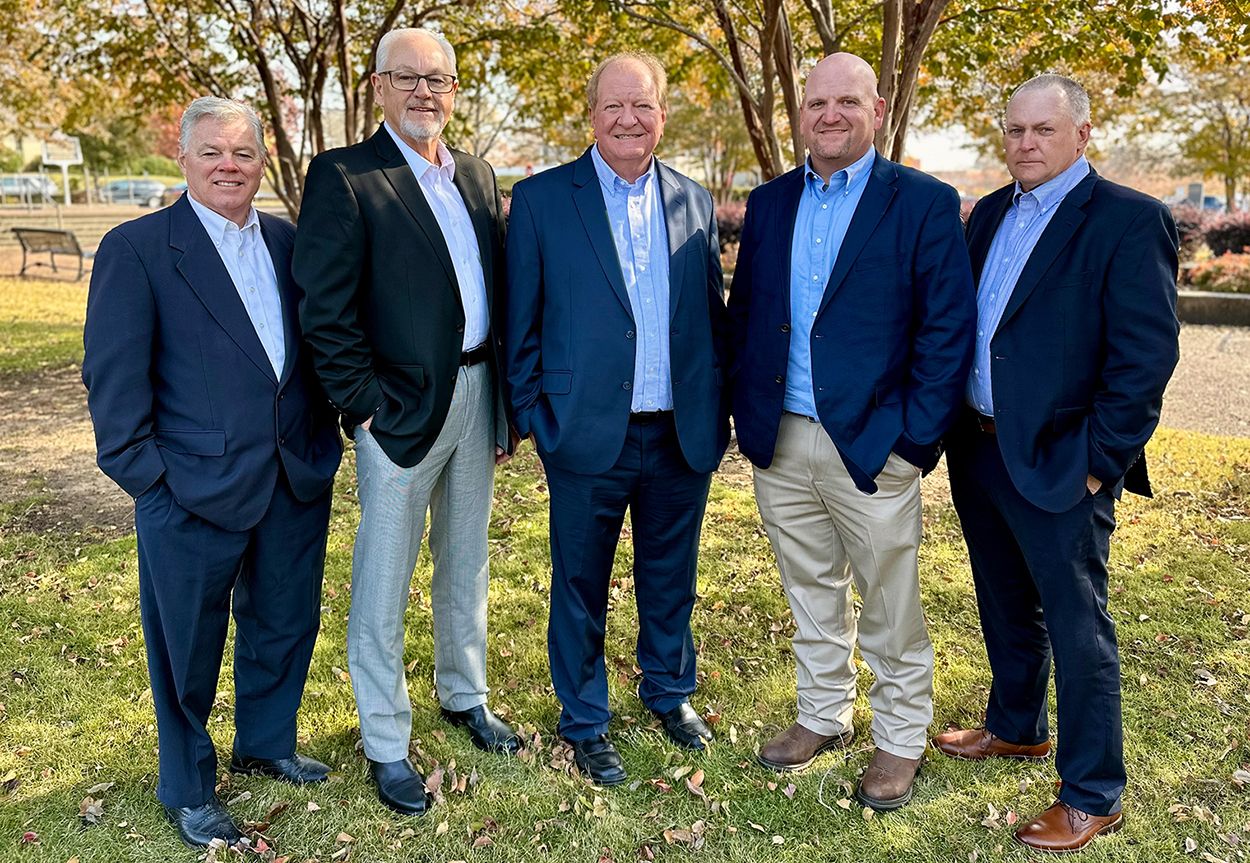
(179, 385)
(569, 334)
(893, 337)
(1087, 342)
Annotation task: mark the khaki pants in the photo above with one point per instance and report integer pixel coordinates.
(826, 532)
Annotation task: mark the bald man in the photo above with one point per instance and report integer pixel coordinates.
(852, 308)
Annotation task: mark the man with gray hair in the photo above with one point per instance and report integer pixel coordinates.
(399, 251)
(1076, 340)
(207, 411)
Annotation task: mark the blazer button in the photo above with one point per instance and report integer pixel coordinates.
(785, 328)
(460, 330)
(627, 386)
(779, 379)
(629, 334)
(281, 441)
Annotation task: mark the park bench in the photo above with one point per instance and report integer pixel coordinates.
(55, 242)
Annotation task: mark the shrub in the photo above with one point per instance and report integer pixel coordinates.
(1228, 233)
(1191, 224)
(729, 218)
(1227, 273)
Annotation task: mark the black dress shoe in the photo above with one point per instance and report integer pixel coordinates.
(400, 786)
(598, 759)
(200, 825)
(684, 727)
(486, 730)
(297, 769)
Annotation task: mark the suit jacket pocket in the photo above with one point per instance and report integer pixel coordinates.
(192, 441)
(557, 383)
(1067, 419)
(876, 262)
(410, 374)
(1078, 280)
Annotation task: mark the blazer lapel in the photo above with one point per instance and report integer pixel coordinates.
(280, 254)
(397, 172)
(200, 264)
(676, 224)
(594, 214)
(980, 241)
(878, 192)
(1062, 226)
(791, 190)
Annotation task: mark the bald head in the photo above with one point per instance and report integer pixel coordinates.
(841, 112)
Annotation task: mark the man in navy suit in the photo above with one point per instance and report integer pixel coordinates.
(613, 366)
(207, 412)
(1076, 340)
(852, 312)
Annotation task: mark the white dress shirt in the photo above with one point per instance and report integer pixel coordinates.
(250, 266)
(452, 215)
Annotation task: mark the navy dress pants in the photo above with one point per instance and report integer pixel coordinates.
(666, 501)
(191, 574)
(1041, 584)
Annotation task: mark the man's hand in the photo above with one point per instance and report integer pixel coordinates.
(1092, 483)
(501, 455)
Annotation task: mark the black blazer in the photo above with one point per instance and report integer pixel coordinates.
(381, 307)
(180, 388)
(1087, 342)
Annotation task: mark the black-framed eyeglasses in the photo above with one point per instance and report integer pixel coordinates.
(409, 81)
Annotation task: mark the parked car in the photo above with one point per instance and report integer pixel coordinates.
(27, 188)
(173, 193)
(146, 193)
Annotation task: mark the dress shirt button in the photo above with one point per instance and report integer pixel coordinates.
(779, 379)
(626, 385)
(976, 372)
(262, 326)
(819, 240)
(629, 334)
(785, 328)
(817, 336)
(824, 206)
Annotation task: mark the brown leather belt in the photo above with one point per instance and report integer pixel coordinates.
(474, 356)
(984, 423)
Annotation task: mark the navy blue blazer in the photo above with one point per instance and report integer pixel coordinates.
(569, 333)
(893, 337)
(178, 384)
(1087, 342)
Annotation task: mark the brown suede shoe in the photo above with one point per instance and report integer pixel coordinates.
(1061, 829)
(796, 747)
(977, 744)
(888, 781)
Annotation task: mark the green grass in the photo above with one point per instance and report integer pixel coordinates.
(76, 712)
(41, 324)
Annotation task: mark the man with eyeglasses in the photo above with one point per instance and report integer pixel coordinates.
(399, 251)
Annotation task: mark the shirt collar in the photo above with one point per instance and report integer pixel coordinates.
(218, 225)
(418, 163)
(611, 181)
(1055, 189)
(854, 172)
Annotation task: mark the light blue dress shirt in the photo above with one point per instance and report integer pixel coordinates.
(1022, 227)
(636, 217)
(824, 215)
(247, 260)
(438, 186)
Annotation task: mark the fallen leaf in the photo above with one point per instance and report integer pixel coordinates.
(1211, 858)
(482, 841)
(779, 840)
(789, 791)
(91, 810)
(93, 791)
(682, 771)
(869, 813)
(30, 837)
(434, 782)
(441, 828)
(1241, 777)
(277, 809)
(239, 798)
(440, 736)
(845, 804)
(313, 807)
(344, 838)
(1190, 845)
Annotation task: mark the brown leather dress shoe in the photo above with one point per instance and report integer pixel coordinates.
(977, 744)
(1061, 829)
(888, 781)
(796, 747)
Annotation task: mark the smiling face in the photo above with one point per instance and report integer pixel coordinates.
(627, 118)
(223, 166)
(1040, 137)
(841, 112)
(418, 116)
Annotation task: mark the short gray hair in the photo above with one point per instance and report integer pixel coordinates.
(222, 110)
(649, 61)
(1074, 94)
(383, 55)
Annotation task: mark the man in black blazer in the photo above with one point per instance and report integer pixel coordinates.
(1076, 340)
(399, 251)
(207, 411)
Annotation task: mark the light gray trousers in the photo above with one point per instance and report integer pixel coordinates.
(456, 482)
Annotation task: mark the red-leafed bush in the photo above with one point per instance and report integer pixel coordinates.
(1228, 233)
(729, 218)
(1191, 224)
(1228, 273)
